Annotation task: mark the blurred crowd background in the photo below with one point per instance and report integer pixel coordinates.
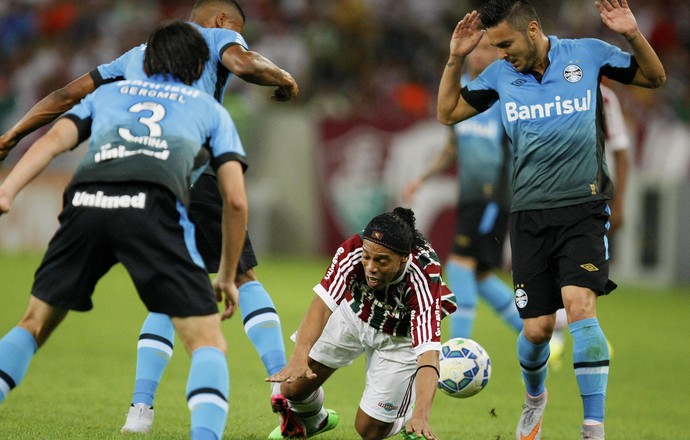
(360, 60)
(349, 56)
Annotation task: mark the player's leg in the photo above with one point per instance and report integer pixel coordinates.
(18, 345)
(301, 404)
(489, 252)
(590, 353)
(148, 252)
(208, 383)
(557, 343)
(460, 276)
(390, 370)
(261, 322)
(583, 269)
(500, 297)
(537, 298)
(154, 350)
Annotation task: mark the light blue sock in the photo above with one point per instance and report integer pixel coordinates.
(591, 364)
(533, 358)
(262, 325)
(17, 348)
(463, 283)
(154, 350)
(207, 393)
(501, 298)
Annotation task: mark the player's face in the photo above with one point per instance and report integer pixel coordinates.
(513, 46)
(381, 265)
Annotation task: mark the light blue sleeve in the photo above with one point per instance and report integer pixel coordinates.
(121, 67)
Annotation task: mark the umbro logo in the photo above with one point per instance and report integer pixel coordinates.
(589, 267)
(519, 82)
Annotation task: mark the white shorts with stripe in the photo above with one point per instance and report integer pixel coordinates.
(390, 362)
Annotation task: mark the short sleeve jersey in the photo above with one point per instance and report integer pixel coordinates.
(554, 121)
(152, 131)
(213, 81)
(412, 305)
(483, 156)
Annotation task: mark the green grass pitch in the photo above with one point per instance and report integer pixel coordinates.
(79, 384)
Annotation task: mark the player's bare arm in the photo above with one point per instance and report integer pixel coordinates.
(451, 107)
(234, 224)
(60, 138)
(618, 17)
(440, 163)
(309, 331)
(257, 69)
(45, 111)
(426, 382)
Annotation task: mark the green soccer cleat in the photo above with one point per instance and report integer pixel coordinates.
(328, 424)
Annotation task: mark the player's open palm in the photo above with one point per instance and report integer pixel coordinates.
(617, 16)
(466, 35)
(295, 369)
(416, 428)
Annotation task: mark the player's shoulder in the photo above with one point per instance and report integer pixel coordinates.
(220, 37)
(582, 45)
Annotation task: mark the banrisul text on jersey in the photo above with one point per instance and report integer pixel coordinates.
(557, 107)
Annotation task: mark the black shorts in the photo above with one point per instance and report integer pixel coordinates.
(558, 247)
(480, 233)
(206, 211)
(152, 240)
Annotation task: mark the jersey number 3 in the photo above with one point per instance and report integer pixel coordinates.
(151, 122)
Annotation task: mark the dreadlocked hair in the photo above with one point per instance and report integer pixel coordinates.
(395, 230)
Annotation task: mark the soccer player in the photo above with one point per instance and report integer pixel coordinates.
(548, 90)
(382, 296)
(221, 22)
(146, 138)
(484, 164)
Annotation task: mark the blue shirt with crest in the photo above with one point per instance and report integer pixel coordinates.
(555, 122)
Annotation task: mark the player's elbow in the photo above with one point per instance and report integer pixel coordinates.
(64, 99)
(444, 118)
(657, 81)
(236, 205)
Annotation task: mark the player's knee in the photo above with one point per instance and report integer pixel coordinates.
(371, 432)
(537, 334)
(369, 428)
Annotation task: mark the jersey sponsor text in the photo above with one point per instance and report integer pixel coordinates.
(98, 200)
(515, 112)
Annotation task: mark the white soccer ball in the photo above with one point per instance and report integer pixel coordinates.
(465, 368)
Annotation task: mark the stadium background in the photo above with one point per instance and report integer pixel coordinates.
(364, 121)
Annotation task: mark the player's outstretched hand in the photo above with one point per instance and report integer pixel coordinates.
(226, 291)
(292, 371)
(417, 429)
(466, 35)
(618, 17)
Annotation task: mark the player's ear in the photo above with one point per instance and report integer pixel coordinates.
(221, 18)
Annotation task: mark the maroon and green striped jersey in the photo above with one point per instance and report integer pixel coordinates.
(412, 305)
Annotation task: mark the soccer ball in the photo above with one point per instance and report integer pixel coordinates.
(465, 368)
